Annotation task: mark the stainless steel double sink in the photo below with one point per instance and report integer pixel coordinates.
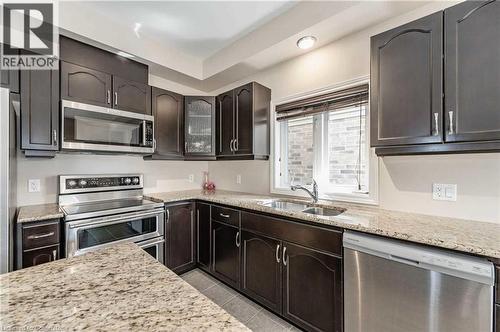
(303, 207)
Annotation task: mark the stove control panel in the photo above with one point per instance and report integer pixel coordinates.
(99, 183)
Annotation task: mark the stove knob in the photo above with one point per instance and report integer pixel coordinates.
(71, 183)
(83, 183)
(135, 180)
(127, 181)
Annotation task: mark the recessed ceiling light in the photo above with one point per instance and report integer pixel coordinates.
(124, 54)
(306, 42)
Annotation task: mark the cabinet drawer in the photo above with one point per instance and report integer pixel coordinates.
(42, 235)
(308, 236)
(225, 215)
(40, 255)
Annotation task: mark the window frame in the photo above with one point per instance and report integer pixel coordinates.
(278, 143)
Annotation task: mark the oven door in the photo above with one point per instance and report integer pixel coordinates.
(91, 234)
(96, 128)
(154, 247)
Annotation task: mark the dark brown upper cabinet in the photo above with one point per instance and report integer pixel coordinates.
(312, 288)
(203, 234)
(85, 85)
(225, 124)
(472, 71)
(39, 112)
(261, 269)
(180, 237)
(131, 96)
(199, 129)
(406, 84)
(243, 122)
(9, 78)
(168, 112)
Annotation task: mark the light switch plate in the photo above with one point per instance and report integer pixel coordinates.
(34, 185)
(191, 178)
(444, 192)
(238, 179)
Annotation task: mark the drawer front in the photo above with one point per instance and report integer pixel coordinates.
(305, 235)
(225, 215)
(42, 235)
(40, 256)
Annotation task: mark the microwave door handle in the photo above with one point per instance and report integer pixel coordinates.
(143, 133)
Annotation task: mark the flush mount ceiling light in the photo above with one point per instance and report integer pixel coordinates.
(306, 42)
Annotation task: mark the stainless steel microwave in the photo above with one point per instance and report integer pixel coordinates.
(95, 128)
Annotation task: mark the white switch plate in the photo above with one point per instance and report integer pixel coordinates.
(238, 179)
(191, 178)
(444, 192)
(34, 185)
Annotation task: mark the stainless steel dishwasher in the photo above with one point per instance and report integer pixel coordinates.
(394, 286)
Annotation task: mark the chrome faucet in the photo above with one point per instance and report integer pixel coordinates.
(313, 194)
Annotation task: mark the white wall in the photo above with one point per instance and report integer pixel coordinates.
(405, 183)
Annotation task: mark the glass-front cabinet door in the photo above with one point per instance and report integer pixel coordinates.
(199, 127)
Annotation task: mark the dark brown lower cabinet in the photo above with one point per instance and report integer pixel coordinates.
(40, 255)
(203, 233)
(261, 269)
(180, 237)
(226, 253)
(312, 288)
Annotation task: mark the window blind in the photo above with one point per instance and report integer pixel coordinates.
(332, 101)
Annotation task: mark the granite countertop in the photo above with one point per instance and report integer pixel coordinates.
(475, 237)
(39, 212)
(120, 288)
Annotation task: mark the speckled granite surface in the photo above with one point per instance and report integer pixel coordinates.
(39, 212)
(120, 288)
(468, 236)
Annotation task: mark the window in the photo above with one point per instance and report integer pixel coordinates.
(324, 138)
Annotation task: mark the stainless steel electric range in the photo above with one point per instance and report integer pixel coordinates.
(102, 210)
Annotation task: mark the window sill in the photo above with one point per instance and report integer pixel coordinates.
(339, 197)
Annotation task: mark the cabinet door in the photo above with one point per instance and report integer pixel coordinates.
(168, 110)
(40, 110)
(85, 85)
(203, 231)
(226, 253)
(199, 126)
(39, 256)
(225, 123)
(261, 269)
(472, 71)
(244, 119)
(10, 79)
(180, 237)
(312, 288)
(406, 84)
(131, 96)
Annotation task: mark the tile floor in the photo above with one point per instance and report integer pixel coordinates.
(249, 313)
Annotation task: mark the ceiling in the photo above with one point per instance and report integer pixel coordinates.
(197, 28)
(208, 44)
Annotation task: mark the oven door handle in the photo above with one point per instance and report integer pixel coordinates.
(150, 244)
(114, 220)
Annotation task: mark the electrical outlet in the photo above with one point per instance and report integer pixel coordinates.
(238, 179)
(34, 185)
(191, 178)
(444, 192)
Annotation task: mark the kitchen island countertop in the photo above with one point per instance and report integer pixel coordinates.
(120, 288)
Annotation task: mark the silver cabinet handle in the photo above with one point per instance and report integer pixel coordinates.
(154, 144)
(237, 239)
(231, 145)
(278, 254)
(168, 215)
(224, 215)
(108, 96)
(116, 98)
(450, 116)
(54, 136)
(236, 144)
(436, 124)
(284, 256)
(54, 254)
(40, 236)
